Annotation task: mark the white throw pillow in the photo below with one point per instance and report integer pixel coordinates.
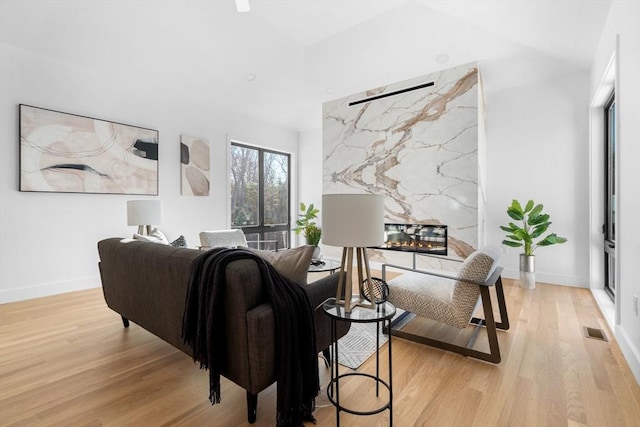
(156, 236)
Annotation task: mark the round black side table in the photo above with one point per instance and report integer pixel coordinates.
(383, 312)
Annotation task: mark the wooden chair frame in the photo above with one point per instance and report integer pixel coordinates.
(493, 281)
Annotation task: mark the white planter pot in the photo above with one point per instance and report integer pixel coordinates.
(316, 253)
(527, 271)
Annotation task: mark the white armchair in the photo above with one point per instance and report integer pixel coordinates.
(451, 298)
(222, 238)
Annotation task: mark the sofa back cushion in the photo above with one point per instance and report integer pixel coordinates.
(147, 283)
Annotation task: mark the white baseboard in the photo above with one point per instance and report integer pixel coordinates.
(630, 352)
(606, 306)
(48, 289)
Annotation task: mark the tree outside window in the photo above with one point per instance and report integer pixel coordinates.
(260, 189)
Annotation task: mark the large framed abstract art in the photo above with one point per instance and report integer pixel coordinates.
(61, 152)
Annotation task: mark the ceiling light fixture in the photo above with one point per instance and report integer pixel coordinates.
(250, 77)
(243, 5)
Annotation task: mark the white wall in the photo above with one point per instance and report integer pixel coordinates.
(310, 170)
(537, 148)
(48, 240)
(623, 21)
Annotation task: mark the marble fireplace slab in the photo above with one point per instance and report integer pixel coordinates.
(419, 148)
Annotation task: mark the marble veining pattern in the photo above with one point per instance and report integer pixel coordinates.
(419, 149)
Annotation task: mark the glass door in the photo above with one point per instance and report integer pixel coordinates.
(609, 227)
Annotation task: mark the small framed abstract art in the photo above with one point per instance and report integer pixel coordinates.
(68, 153)
(194, 166)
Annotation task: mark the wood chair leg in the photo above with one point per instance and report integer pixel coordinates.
(490, 323)
(502, 305)
(125, 321)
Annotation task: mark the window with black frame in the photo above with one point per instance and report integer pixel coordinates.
(260, 194)
(609, 228)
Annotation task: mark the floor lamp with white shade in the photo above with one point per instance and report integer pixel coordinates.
(355, 222)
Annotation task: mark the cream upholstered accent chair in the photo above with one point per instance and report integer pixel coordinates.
(222, 238)
(451, 298)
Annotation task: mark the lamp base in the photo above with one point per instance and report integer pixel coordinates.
(344, 294)
(142, 228)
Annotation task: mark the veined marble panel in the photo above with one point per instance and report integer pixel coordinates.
(418, 148)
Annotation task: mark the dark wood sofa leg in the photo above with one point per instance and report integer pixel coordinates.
(125, 321)
(252, 407)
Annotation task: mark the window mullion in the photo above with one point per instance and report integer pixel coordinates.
(261, 186)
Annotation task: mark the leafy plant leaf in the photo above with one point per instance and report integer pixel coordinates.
(538, 220)
(507, 229)
(513, 237)
(536, 211)
(537, 232)
(520, 234)
(515, 206)
(512, 244)
(529, 206)
(551, 239)
(515, 214)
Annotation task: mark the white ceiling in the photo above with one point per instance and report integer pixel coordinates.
(304, 52)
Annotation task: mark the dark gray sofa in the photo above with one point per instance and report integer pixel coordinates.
(146, 283)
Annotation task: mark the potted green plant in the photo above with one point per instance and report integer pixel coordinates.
(312, 234)
(534, 224)
(305, 224)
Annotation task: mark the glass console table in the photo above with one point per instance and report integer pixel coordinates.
(323, 266)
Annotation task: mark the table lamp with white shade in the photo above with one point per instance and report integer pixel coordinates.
(143, 213)
(355, 222)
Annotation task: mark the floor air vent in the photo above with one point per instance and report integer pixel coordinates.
(596, 334)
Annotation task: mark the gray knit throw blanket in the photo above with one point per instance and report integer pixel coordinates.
(296, 353)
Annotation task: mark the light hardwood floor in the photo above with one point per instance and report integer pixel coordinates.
(67, 360)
